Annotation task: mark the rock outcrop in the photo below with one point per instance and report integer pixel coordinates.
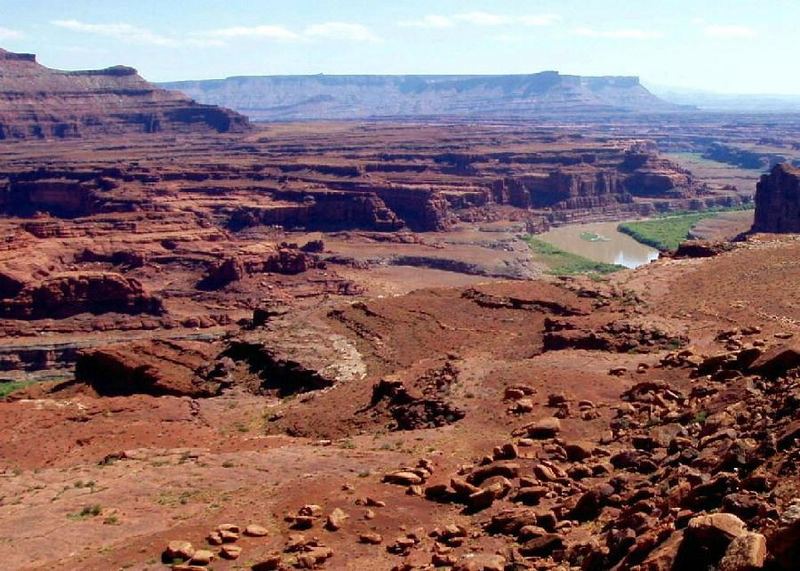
(287, 260)
(39, 102)
(156, 368)
(67, 294)
(778, 201)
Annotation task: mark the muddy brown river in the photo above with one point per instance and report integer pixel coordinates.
(601, 242)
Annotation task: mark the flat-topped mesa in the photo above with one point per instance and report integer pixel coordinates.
(39, 102)
(11, 56)
(778, 201)
(362, 96)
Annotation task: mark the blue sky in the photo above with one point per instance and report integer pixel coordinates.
(729, 46)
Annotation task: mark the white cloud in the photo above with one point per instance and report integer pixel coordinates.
(341, 31)
(9, 34)
(266, 32)
(730, 32)
(430, 21)
(540, 19)
(484, 18)
(436, 21)
(124, 32)
(619, 34)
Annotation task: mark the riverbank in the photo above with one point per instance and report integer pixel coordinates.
(600, 242)
(564, 263)
(667, 232)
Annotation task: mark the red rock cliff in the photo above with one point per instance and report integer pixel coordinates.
(39, 102)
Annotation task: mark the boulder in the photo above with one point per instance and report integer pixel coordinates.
(370, 538)
(503, 468)
(708, 537)
(403, 478)
(178, 550)
(230, 552)
(784, 541)
(255, 530)
(723, 527)
(747, 552)
(777, 361)
(336, 519)
(544, 428)
(542, 546)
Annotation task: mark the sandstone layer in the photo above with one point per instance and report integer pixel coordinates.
(38, 102)
(348, 97)
(778, 201)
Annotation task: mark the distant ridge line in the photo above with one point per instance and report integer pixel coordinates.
(322, 96)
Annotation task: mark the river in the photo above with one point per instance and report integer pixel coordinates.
(601, 242)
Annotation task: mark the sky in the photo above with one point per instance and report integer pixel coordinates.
(725, 46)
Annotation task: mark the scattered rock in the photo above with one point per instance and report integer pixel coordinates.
(178, 550)
(544, 428)
(230, 552)
(336, 520)
(202, 557)
(255, 530)
(371, 538)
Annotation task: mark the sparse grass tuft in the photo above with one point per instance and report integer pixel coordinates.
(87, 512)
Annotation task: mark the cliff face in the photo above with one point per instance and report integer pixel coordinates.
(359, 96)
(39, 102)
(778, 201)
(73, 293)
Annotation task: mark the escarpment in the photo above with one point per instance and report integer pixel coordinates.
(43, 103)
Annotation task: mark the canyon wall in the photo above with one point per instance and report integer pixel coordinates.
(778, 201)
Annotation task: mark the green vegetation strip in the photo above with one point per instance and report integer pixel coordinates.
(563, 263)
(6, 388)
(667, 231)
(663, 233)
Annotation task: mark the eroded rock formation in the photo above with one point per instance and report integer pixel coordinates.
(157, 368)
(67, 294)
(778, 201)
(38, 102)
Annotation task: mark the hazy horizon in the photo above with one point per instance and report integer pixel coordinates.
(734, 47)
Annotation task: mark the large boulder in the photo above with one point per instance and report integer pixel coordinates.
(707, 539)
(777, 361)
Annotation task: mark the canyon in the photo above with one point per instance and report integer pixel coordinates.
(333, 344)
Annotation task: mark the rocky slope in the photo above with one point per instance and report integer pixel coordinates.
(778, 201)
(38, 102)
(346, 97)
(647, 423)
